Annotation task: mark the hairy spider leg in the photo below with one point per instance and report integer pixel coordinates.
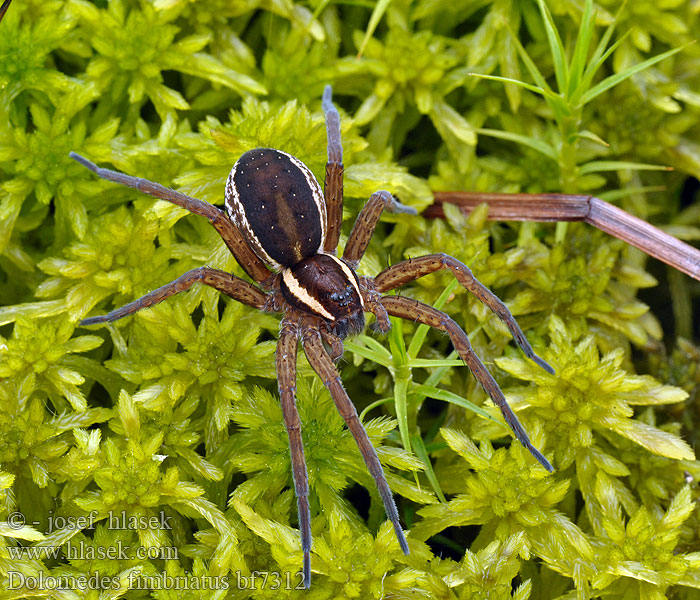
(409, 270)
(366, 221)
(333, 183)
(233, 239)
(232, 286)
(286, 364)
(413, 310)
(4, 7)
(325, 369)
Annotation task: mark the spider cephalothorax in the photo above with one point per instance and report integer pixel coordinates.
(324, 285)
(284, 231)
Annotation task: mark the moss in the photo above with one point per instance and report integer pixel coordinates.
(151, 453)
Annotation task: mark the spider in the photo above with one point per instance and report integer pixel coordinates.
(283, 231)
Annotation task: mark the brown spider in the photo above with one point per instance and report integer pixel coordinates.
(284, 232)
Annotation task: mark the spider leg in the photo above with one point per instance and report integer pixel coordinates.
(333, 184)
(324, 367)
(413, 310)
(232, 286)
(286, 362)
(233, 239)
(413, 268)
(4, 7)
(366, 222)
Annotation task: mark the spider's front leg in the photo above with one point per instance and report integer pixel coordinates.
(224, 226)
(333, 184)
(286, 363)
(325, 369)
(413, 310)
(414, 268)
(366, 221)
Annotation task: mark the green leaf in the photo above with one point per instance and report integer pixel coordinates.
(402, 378)
(422, 453)
(401, 404)
(583, 43)
(589, 135)
(613, 195)
(561, 68)
(525, 140)
(377, 14)
(533, 88)
(451, 397)
(595, 64)
(373, 405)
(597, 166)
(529, 64)
(428, 363)
(613, 80)
(379, 355)
(397, 343)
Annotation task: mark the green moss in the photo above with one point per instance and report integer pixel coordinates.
(161, 434)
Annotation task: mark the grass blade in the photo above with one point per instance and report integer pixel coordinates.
(422, 454)
(594, 65)
(529, 64)
(382, 358)
(583, 44)
(614, 195)
(525, 140)
(422, 330)
(401, 404)
(599, 166)
(555, 101)
(402, 379)
(377, 14)
(527, 86)
(453, 398)
(374, 405)
(397, 344)
(613, 80)
(561, 68)
(429, 363)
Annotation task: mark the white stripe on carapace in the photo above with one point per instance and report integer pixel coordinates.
(352, 278)
(303, 296)
(236, 210)
(316, 193)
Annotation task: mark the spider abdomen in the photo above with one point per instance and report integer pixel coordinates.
(277, 204)
(325, 286)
